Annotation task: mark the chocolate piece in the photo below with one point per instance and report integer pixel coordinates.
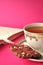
(26, 52)
(14, 36)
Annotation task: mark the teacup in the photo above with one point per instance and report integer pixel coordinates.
(34, 36)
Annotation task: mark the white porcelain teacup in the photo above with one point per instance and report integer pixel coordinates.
(35, 40)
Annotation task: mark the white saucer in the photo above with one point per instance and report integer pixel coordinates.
(25, 43)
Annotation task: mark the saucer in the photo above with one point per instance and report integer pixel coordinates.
(25, 43)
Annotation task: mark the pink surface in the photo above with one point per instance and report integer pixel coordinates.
(17, 13)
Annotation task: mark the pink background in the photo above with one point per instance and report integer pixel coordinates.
(17, 13)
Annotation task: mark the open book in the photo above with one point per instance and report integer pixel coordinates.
(9, 33)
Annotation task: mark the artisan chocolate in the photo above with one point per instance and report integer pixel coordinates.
(24, 51)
